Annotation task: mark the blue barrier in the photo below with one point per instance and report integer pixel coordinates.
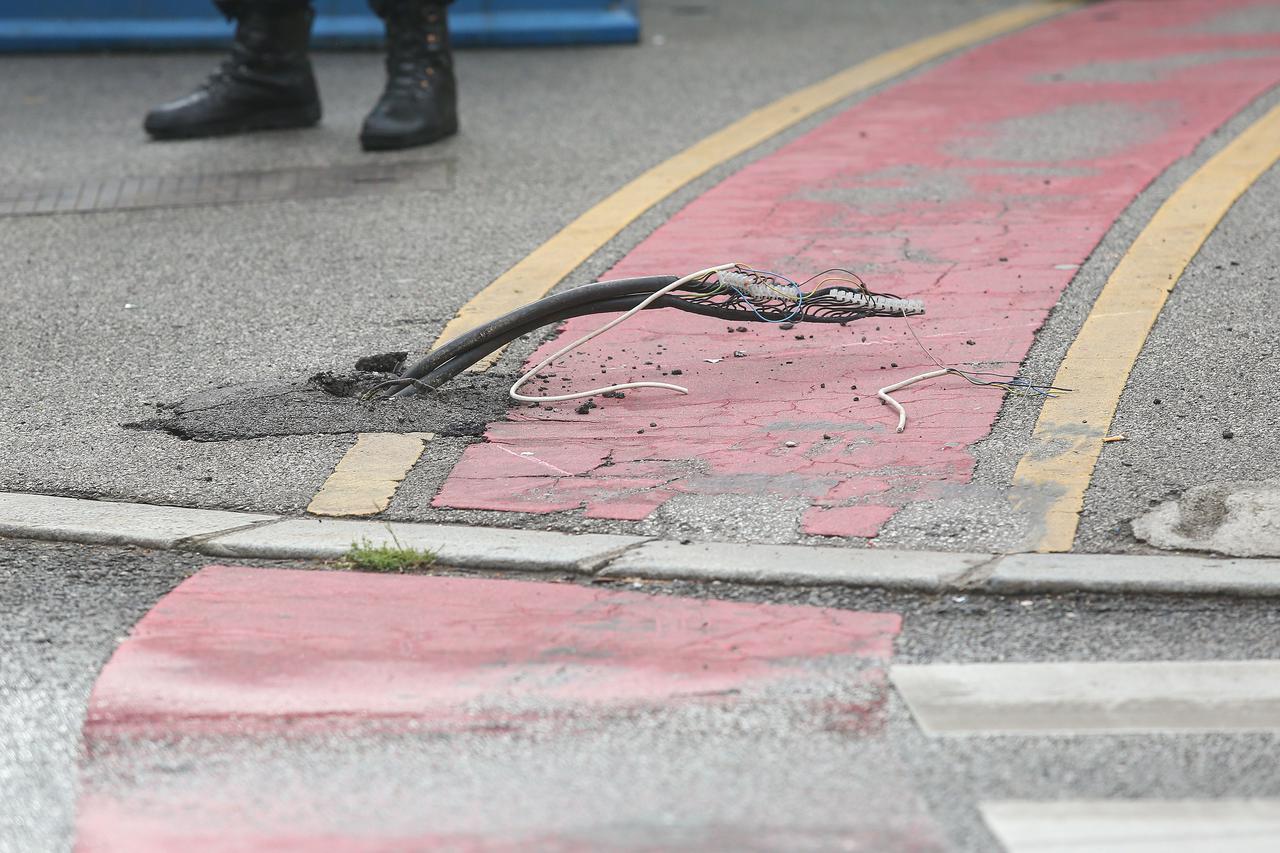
(42, 25)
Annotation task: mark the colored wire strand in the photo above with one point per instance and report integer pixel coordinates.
(1011, 384)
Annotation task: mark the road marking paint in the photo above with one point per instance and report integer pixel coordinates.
(233, 645)
(1134, 826)
(933, 190)
(1068, 435)
(1092, 698)
(433, 680)
(547, 265)
(366, 477)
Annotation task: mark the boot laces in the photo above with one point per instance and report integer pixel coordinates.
(417, 50)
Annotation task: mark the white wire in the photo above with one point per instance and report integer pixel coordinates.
(657, 294)
(883, 393)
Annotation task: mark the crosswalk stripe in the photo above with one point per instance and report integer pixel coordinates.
(1135, 826)
(1092, 698)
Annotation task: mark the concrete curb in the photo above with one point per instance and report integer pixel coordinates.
(110, 523)
(453, 545)
(795, 565)
(237, 534)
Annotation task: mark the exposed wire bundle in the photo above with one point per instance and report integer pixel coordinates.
(732, 292)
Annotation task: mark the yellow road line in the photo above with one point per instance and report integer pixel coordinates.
(366, 479)
(547, 265)
(1052, 477)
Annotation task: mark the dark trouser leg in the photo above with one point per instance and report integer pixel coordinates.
(265, 84)
(420, 102)
(235, 9)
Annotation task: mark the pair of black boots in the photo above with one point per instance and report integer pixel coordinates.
(267, 82)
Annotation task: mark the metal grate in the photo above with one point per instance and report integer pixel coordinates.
(228, 188)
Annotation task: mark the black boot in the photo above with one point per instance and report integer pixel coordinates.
(420, 103)
(265, 84)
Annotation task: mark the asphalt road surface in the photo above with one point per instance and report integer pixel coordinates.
(160, 345)
(767, 776)
(114, 312)
(223, 294)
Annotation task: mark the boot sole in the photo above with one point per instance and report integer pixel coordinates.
(280, 119)
(372, 142)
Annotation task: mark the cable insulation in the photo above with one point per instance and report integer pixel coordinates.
(568, 348)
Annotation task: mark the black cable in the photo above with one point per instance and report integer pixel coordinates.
(551, 307)
(547, 306)
(461, 361)
(457, 360)
(439, 366)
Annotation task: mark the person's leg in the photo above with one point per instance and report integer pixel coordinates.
(420, 102)
(265, 84)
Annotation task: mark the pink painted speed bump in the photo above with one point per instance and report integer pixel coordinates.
(979, 186)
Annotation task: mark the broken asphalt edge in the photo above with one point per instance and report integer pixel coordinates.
(220, 533)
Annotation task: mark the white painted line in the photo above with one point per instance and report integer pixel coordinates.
(1092, 698)
(1134, 573)
(453, 545)
(109, 523)
(794, 564)
(1135, 826)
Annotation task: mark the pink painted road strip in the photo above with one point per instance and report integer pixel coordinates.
(476, 710)
(236, 646)
(978, 186)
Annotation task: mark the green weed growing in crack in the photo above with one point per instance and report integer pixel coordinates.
(365, 556)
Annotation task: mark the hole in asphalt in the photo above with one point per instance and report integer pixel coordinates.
(386, 362)
(332, 403)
